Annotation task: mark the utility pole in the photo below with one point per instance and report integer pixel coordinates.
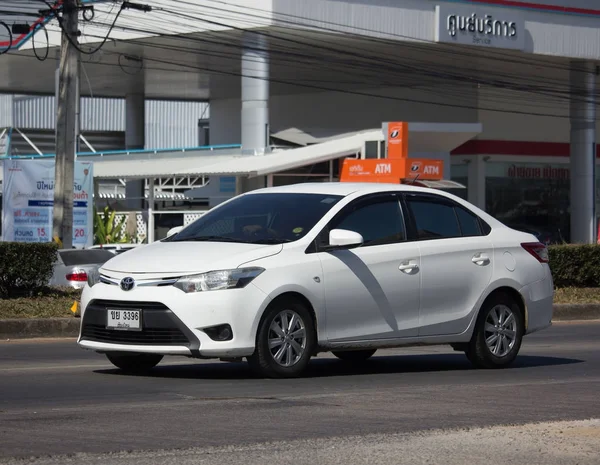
(66, 126)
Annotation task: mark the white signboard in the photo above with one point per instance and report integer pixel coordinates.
(480, 26)
(28, 197)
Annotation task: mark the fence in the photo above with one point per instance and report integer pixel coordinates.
(139, 229)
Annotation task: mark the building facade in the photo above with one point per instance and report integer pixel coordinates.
(526, 71)
(167, 124)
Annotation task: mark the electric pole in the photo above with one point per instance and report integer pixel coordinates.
(66, 126)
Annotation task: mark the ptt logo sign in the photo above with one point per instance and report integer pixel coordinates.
(417, 167)
(383, 168)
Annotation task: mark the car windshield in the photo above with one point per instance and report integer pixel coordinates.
(85, 257)
(265, 218)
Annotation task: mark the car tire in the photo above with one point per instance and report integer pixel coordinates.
(134, 363)
(498, 333)
(284, 352)
(355, 356)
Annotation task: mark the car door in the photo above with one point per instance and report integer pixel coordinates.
(371, 292)
(456, 261)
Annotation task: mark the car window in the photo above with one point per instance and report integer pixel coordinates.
(260, 218)
(85, 257)
(378, 223)
(469, 223)
(433, 220)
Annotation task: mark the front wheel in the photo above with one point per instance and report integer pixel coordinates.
(134, 363)
(285, 341)
(498, 333)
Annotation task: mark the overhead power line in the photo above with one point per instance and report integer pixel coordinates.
(290, 46)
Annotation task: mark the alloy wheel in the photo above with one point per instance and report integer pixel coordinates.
(500, 330)
(287, 338)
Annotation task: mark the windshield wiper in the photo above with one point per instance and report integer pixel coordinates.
(269, 241)
(208, 239)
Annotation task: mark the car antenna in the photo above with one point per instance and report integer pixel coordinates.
(414, 179)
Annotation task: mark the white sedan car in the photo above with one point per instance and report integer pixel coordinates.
(279, 274)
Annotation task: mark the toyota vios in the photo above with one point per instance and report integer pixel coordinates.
(280, 274)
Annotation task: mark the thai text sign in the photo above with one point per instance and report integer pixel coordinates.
(28, 199)
(481, 26)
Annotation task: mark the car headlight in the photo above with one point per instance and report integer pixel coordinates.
(93, 277)
(218, 280)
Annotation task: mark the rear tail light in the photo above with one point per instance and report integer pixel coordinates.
(538, 250)
(78, 276)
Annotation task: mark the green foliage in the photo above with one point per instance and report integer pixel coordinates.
(108, 229)
(575, 265)
(25, 268)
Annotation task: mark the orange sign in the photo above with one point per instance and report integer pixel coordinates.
(397, 140)
(373, 170)
(424, 168)
(391, 171)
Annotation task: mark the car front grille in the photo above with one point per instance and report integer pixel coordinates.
(160, 326)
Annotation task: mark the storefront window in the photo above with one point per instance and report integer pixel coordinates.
(460, 173)
(532, 197)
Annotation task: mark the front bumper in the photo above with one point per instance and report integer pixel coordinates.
(173, 322)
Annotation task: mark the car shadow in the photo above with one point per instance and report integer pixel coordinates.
(331, 367)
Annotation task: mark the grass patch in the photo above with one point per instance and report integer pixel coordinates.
(577, 295)
(47, 303)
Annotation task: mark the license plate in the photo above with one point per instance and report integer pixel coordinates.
(127, 320)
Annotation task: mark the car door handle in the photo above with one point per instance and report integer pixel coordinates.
(408, 267)
(480, 259)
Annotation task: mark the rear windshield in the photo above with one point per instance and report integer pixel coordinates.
(85, 257)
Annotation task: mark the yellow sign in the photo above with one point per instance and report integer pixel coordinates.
(75, 307)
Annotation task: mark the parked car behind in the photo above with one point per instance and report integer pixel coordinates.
(73, 266)
(116, 249)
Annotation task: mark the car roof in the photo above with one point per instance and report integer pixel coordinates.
(339, 188)
(348, 188)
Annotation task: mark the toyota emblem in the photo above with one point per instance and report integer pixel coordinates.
(127, 284)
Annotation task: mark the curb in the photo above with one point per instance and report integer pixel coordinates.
(69, 327)
(39, 328)
(570, 312)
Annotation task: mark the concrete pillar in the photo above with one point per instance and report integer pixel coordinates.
(476, 183)
(255, 93)
(135, 139)
(583, 152)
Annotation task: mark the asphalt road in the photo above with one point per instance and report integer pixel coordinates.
(58, 399)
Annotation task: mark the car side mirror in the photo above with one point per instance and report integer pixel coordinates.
(344, 239)
(174, 230)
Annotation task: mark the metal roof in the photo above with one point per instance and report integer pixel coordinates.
(234, 165)
(228, 161)
(442, 184)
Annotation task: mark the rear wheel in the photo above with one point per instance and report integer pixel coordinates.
(354, 355)
(285, 341)
(134, 363)
(498, 334)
